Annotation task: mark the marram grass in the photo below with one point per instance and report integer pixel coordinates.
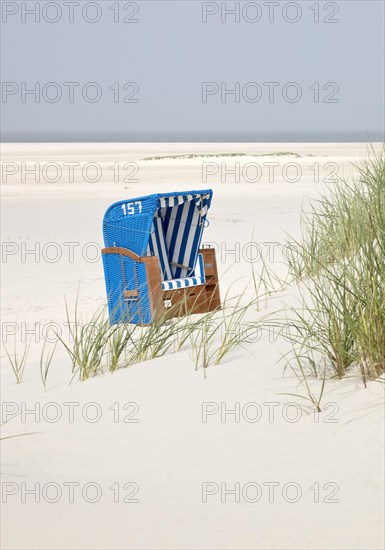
(341, 264)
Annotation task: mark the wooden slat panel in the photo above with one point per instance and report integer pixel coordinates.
(154, 287)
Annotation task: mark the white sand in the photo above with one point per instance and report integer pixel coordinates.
(169, 453)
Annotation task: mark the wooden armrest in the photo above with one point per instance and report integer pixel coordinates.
(123, 252)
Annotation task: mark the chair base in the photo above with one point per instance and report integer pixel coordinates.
(185, 301)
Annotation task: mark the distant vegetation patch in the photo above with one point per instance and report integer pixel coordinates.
(219, 155)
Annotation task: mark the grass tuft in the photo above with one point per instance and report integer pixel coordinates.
(341, 265)
(18, 362)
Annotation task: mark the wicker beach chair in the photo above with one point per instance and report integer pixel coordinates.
(153, 264)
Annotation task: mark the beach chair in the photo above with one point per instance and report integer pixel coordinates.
(153, 264)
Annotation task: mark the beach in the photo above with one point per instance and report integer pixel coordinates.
(161, 455)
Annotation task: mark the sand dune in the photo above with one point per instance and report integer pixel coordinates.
(178, 461)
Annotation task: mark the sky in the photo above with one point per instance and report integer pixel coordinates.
(192, 71)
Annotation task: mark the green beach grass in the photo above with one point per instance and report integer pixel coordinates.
(340, 264)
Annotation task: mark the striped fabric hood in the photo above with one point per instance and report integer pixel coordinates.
(202, 202)
(177, 233)
(168, 225)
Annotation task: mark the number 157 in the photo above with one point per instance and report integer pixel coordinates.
(129, 207)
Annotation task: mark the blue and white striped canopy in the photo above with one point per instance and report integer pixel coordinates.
(177, 232)
(169, 226)
(201, 201)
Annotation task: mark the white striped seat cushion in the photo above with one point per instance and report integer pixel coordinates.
(181, 283)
